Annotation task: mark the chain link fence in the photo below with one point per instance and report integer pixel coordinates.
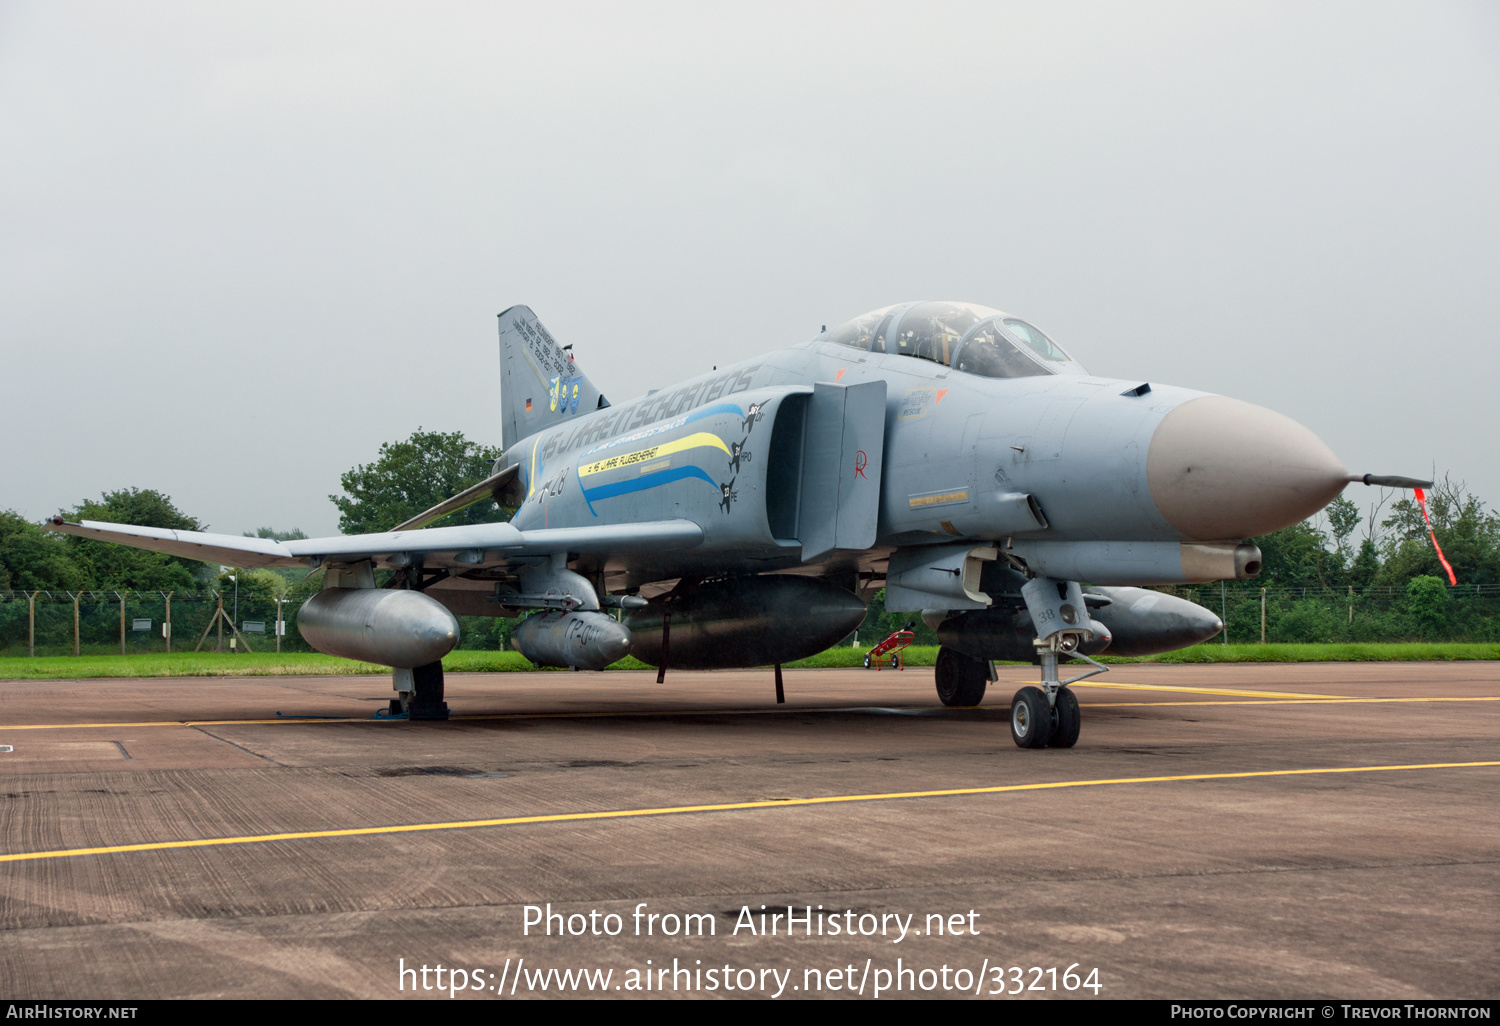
(49, 623)
(114, 622)
(1385, 613)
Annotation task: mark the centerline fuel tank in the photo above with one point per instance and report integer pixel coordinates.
(745, 621)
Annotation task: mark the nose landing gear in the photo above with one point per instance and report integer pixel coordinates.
(1048, 715)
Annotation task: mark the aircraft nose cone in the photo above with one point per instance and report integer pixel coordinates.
(1220, 469)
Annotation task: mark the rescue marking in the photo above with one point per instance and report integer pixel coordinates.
(776, 803)
(935, 500)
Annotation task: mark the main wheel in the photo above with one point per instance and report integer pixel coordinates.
(1065, 720)
(961, 681)
(1030, 718)
(867, 662)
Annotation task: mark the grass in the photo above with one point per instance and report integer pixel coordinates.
(182, 664)
(1396, 652)
(209, 664)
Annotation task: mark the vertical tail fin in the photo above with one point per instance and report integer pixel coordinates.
(540, 385)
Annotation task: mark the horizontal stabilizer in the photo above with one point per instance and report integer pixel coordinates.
(486, 489)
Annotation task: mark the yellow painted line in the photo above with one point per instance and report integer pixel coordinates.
(531, 478)
(195, 723)
(1188, 690)
(776, 803)
(1295, 701)
(788, 710)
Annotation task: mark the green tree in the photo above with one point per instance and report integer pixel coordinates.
(110, 565)
(1468, 532)
(258, 591)
(1298, 557)
(1343, 517)
(1427, 601)
(411, 476)
(1366, 565)
(294, 534)
(32, 559)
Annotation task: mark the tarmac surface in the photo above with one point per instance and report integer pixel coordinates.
(1221, 831)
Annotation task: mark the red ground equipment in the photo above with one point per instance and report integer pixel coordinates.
(892, 645)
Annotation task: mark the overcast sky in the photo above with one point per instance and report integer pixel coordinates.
(241, 245)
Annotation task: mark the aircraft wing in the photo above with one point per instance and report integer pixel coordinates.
(467, 547)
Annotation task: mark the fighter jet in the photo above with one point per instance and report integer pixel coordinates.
(950, 453)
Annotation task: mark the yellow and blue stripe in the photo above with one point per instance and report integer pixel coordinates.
(651, 467)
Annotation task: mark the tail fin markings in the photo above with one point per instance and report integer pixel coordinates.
(540, 383)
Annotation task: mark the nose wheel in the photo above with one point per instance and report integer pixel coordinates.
(1065, 720)
(1035, 723)
(1030, 718)
(1048, 716)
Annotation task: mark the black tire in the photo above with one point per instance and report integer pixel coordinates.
(895, 662)
(961, 681)
(1030, 718)
(867, 662)
(1065, 720)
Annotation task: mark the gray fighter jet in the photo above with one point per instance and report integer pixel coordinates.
(950, 453)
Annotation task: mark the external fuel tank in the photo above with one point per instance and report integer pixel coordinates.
(745, 621)
(399, 628)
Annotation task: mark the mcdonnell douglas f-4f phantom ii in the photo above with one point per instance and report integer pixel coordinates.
(950, 453)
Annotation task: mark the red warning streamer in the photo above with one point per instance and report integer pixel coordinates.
(1422, 501)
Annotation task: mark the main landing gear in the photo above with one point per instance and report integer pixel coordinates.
(419, 693)
(961, 679)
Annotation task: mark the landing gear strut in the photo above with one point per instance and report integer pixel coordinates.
(419, 693)
(1049, 715)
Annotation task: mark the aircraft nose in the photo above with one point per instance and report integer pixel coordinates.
(1220, 469)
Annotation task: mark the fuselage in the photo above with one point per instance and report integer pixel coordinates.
(1060, 464)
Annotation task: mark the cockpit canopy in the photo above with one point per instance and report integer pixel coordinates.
(964, 336)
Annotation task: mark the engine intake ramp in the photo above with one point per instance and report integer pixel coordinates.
(843, 446)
